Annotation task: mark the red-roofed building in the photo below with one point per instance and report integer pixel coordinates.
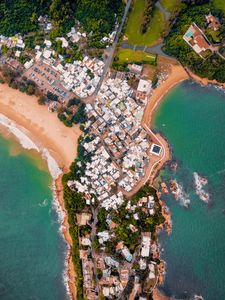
(213, 22)
(197, 40)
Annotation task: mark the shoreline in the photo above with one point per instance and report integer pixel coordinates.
(25, 120)
(205, 81)
(70, 272)
(30, 117)
(177, 74)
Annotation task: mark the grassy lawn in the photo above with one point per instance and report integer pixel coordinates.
(132, 30)
(129, 56)
(170, 4)
(219, 4)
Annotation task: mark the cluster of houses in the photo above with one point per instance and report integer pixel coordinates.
(117, 117)
(114, 272)
(120, 147)
(198, 41)
(110, 284)
(13, 42)
(120, 150)
(79, 77)
(100, 175)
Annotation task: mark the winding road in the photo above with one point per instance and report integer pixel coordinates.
(156, 49)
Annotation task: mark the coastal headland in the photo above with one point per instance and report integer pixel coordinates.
(176, 75)
(62, 141)
(45, 130)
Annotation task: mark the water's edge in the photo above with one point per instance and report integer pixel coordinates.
(22, 136)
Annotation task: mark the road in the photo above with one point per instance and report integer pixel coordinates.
(110, 57)
(156, 49)
(165, 12)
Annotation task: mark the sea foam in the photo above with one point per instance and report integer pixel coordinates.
(26, 142)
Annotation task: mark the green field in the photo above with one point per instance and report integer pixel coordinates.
(219, 4)
(170, 4)
(132, 30)
(130, 56)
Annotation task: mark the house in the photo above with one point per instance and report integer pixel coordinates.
(111, 262)
(83, 219)
(144, 86)
(48, 43)
(146, 242)
(65, 44)
(124, 276)
(47, 53)
(28, 64)
(124, 251)
(135, 68)
(18, 53)
(103, 236)
(196, 39)
(213, 22)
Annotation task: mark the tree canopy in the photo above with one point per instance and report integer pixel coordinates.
(21, 16)
(214, 66)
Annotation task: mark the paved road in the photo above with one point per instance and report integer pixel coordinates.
(111, 52)
(157, 49)
(165, 12)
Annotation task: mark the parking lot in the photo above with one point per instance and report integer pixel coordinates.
(47, 79)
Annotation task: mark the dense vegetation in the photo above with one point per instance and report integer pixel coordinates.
(75, 203)
(147, 14)
(123, 218)
(74, 113)
(21, 16)
(214, 66)
(98, 16)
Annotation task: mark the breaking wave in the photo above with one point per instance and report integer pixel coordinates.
(26, 142)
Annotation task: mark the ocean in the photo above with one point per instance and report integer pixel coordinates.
(32, 250)
(192, 118)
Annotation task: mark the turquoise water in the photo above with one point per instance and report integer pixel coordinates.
(192, 118)
(32, 251)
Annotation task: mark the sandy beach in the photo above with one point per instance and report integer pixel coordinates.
(43, 127)
(45, 130)
(157, 295)
(177, 74)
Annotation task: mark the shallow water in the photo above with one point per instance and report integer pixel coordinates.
(192, 118)
(32, 250)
